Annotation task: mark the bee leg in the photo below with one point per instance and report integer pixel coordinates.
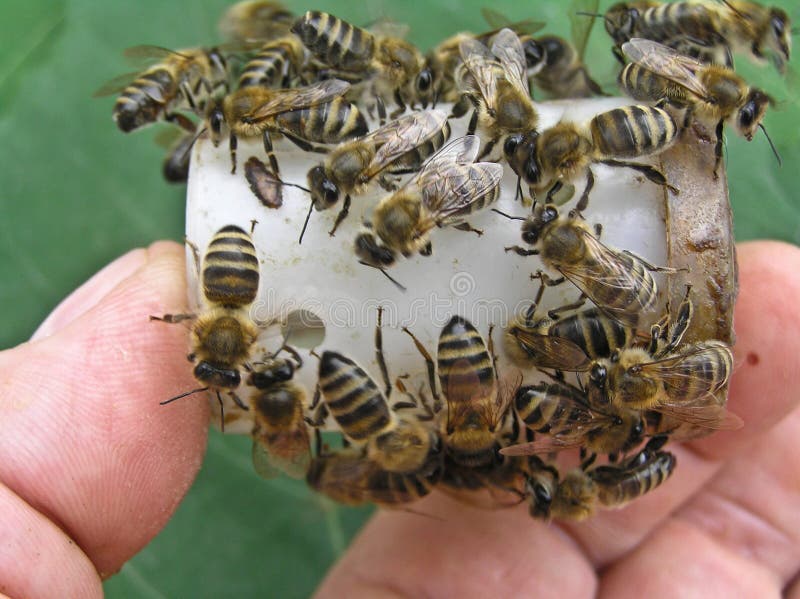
(173, 318)
(379, 104)
(238, 401)
(386, 184)
(401, 105)
(320, 414)
(221, 413)
(522, 251)
(379, 357)
(681, 323)
(181, 121)
(304, 145)
(488, 149)
(652, 173)
(583, 202)
(588, 461)
(617, 52)
(553, 314)
(273, 161)
(553, 191)
(187, 93)
(718, 150)
(427, 250)
(652, 267)
(232, 144)
(429, 364)
(468, 228)
(473, 123)
(341, 216)
(316, 398)
(317, 442)
(459, 109)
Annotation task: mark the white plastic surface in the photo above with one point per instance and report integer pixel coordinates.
(467, 275)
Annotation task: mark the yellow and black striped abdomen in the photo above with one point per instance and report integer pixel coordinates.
(329, 123)
(144, 100)
(335, 42)
(632, 131)
(230, 268)
(352, 397)
(550, 408)
(466, 370)
(413, 159)
(596, 334)
(680, 19)
(616, 486)
(704, 370)
(272, 64)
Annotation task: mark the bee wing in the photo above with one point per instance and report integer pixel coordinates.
(465, 395)
(117, 84)
(288, 452)
(302, 97)
(507, 47)
(668, 370)
(580, 26)
(709, 416)
(463, 150)
(549, 351)
(666, 62)
(146, 53)
(482, 65)
(497, 20)
(402, 135)
(546, 445)
(168, 136)
(386, 27)
(609, 271)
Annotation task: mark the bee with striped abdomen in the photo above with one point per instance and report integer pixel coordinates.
(619, 283)
(566, 151)
(712, 94)
(399, 146)
(180, 80)
(449, 187)
(224, 334)
(275, 64)
(394, 68)
(315, 114)
(281, 440)
(255, 21)
(495, 80)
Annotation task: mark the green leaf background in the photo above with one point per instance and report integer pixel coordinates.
(76, 193)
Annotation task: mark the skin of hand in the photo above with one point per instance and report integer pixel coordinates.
(92, 467)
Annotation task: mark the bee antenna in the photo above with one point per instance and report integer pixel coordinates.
(192, 392)
(305, 224)
(590, 14)
(385, 274)
(771, 145)
(508, 216)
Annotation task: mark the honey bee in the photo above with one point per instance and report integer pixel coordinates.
(554, 64)
(572, 497)
(727, 27)
(444, 60)
(398, 444)
(504, 483)
(561, 413)
(255, 20)
(180, 80)
(394, 67)
(712, 94)
(306, 115)
(175, 166)
(476, 402)
(275, 64)
(448, 187)
(280, 434)
(223, 336)
(566, 151)
(495, 81)
(400, 146)
(350, 478)
(619, 283)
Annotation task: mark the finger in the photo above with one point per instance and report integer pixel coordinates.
(37, 559)
(83, 438)
(92, 291)
(679, 560)
(752, 507)
(762, 392)
(460, 552)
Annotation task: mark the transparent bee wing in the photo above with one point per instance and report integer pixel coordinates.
(449, 193)
(497, 20)
(301, 97)
(403, 135)
(507, 47)
(549, 351)
(116, 85)
(580, 26)
(483, 67)
(666, 62)
(288, 452)
(150, 53)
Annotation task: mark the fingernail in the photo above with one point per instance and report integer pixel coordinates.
(85, 297)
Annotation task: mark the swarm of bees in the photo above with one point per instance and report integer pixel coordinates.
(615, 380)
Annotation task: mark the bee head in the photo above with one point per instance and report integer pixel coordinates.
(521, 154)
(555, 49)
(370, 251)
(424, 83)
(752, 112)
(533, 226)
(780, 35)
(213, 376)
(535, 54)
(216, 120)
(598, 376)
(324, 192)
(620, 19)
(275, 371)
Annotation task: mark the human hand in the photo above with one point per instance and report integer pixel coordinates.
(91, 467)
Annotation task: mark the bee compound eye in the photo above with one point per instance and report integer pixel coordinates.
(424, 80)
(598, 374)
(511, 144)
